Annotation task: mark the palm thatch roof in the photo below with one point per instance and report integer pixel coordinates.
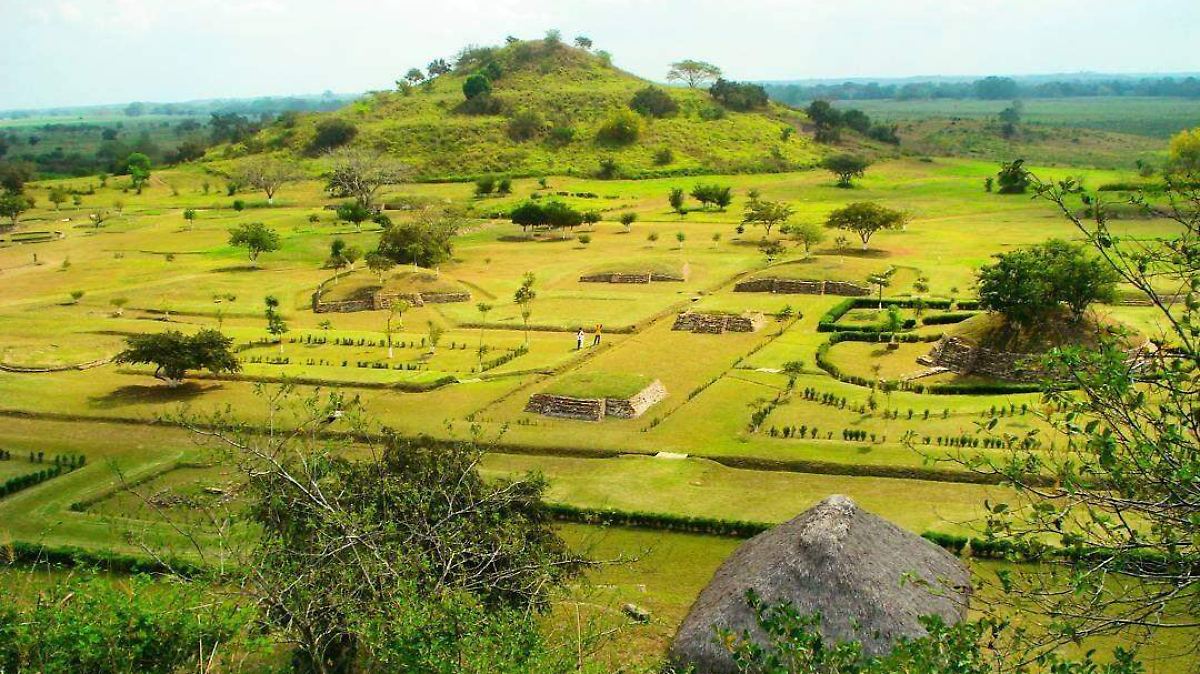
(869, 579)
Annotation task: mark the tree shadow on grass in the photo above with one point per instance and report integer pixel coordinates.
(139, 394)
(236, 269)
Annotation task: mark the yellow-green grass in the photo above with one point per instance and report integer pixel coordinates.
(618, 385)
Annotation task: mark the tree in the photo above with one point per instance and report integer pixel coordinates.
(996, 88)
(766, 214)
(14, 175)
(173, 353)
(256, 238)
(526, 124)
(524, 297)
(881, 281)
(484, 309)
(846, 167)
(719, 195)
(438, 67)
(57, 196)
(476, 85)
(98, 217)
(627, 219)
(12, 206)
(675, 198)
(189, 216)
(434, 332)
(336, 259)
(485, 185)
(771, 249)
(360, 173)
(267, 174)
(743, 96)
(276, 326)
(118, 305)
(1078, 278)
(865, 218)
(138, 165)
(653, 102)
(1184, 151)
(680, 237)
(331, 133)
(395, 311)
(1115, 494)
(583, 42)
(693, 73)
(807, 234)
(826, 118)
(354, 213)
(1013, 178)
(427, 240)
(380, 264)
(414, 75)
(1027, 284)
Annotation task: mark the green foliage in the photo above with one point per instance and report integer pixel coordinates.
(621, 128)
(526, 125)
(476, 85)
(332, 133)
(692, 72)
(740, 96)
(352, 212)
(865, 218)
(712, 194)
(174, 353)
(766, 214)
(1026, 285)
(256, 238)
(846, 167)
(12, 206)
(427, 240)
(1013, 178)
(89, 623)
(553, 214)
(653, 102)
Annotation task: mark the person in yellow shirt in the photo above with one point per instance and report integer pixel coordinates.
(596, 338)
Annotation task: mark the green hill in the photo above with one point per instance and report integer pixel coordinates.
(544, 114)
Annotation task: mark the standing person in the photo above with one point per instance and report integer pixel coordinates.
(579, 339)
(596, 339)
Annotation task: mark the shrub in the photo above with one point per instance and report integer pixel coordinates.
(332, 133)
(622, 128)
(526, 125)
(476, 85)
(608, 169)
(663, 156)
(738, 95)
(653, 102)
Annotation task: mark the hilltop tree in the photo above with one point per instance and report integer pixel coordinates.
(360, 173)
(426, 240)
(414, 76)
(583, 42)
(438, 67)
(173, 353)
(865, 218)
(256, 238)
(1026, 284)
(846, 167)
(766, 214)
(741, 96)
(693, 73)
(267, 174)
(380, 264)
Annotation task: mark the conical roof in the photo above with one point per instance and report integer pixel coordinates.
(869, 579)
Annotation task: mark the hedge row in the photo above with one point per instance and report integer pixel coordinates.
(948, 317)
(830, 318)
(659, 521)
(114, 562)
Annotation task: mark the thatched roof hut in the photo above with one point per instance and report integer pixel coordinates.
(851, 566)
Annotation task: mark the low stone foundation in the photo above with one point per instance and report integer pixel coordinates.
(617, 277)
(716, 324)
(782, 286)
(595, 409)
(379, 300)
(962, 357)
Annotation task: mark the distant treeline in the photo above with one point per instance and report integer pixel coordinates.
(265, 105)
(988, 88)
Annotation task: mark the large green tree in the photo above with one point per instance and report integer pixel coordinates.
(174, 353)
(256, 238)
(426, 240)
(865, 218)
(692, 72)
(846, 167)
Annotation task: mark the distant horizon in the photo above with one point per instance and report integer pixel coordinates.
(69, 53)
(1047, 76)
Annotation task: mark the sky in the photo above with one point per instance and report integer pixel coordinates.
(80, 52)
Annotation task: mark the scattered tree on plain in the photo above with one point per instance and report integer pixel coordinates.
(865, 218)
(267, 174)
(174, 353)
(256, 238)
(846, 167)
(360, 173)
(426, 240)
(766, 214)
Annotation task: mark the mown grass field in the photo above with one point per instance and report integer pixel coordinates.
(175, 276)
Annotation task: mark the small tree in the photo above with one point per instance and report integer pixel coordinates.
(807, 234)
(189, 216)
(716, 239)
(524, 298)
(76, 295)
(680, 237)
(256, 238)
(484, 309)
(379, 264)
(57, 196)
(13, 205)
(652, 237)
(584, 239)
(395, 312)
(771, 249)
(268, 175)
(173, 353)
(766, 214)
(675, 198)
(275, 323)
(1013, 178)
(434, 334)
(865, 218)
(627, 219)
(846, 167)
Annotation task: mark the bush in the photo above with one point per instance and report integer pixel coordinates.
(947, 318)
(476, 85)
(653, 102)
(622, 128)
(712, 113)
(526, 125)
(739, 95)
(663, 156)
(332, 133)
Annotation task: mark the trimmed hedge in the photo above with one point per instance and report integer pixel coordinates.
(659, 521)
(948, 317)
(114, 562)
(828, 321)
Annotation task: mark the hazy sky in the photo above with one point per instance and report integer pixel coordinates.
(67, 52)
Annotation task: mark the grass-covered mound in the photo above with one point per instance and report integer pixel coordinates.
(639, 266)
(849, 266)
(993, 331)
(547, 107)
(618, 386)
(362, 285)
